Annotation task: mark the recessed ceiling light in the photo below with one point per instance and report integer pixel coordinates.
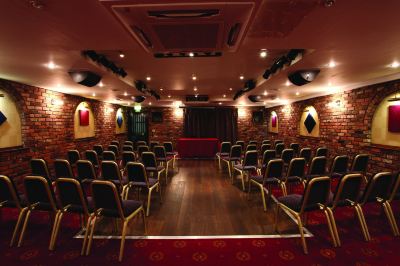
(94, 94)
(101, 84)
(224, 95)
(191, 54)
(330, 84)
(169, 96)
(195, 88)
(230, 89)
(196, 95)
(332, 64)
(51, 65)
(125, 94)
(395, 64)
(265, 93)
(149, 103)
(287, 83)
(220, 103)
(148, 78)
(263, 53)
(121, 55)
(297, 93)
(161, 89)
(194, 77)
(59, 85)
(241, 77)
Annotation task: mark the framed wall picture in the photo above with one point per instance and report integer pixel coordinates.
(258, 117)
(394, 119)
(157, 117)
(83, 117)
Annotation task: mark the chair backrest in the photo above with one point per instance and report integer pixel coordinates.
(98, 149)
(85, 170)
(110, 170)
(268, 156)
(251, 158)
(251, 147)
(168, 146)
(8, 191)
(39, 168)
(106, 198)
(137, 173)
(266, 141)
(348, 189)
(339, 164)
(62, 168)
(115, 143)
(316, 192)
(295, 147)
(236, 151)
(109, 156)
(141, 143)
(225, 147)
(253, 142)
(322, 151)
(296, 167)
(318, 166)
(274, 169)
(153, 144)
(71, 194)
(128, 143)
(142, 149)
(38, 191)
(395, 194)
(277, 142)
(159, 152)
(127, 157)
(127, 148)
(306, 154)
(92, 157)
(73, 156)
(360, 163)
(287, 155)
(149, 159)
(241, 143)
(265, 147)
(279, 147)
(379, 186)
(114, 149)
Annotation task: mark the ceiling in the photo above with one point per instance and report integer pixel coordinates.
(359, 36)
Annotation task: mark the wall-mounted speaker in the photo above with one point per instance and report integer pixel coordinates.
(302, 77)
(85, 78)
(138, 98)
(255, 98)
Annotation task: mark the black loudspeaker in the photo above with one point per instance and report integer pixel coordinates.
(303, 77)
(140, 85)
(156, 117)
(138, 98)
(258, 117)
(85, 78)
(255, 98)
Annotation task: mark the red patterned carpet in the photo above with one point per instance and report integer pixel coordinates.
(384, 249)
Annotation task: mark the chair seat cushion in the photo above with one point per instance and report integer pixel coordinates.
(79, 209)
(155, 169)
(260, 179)
(130, 206)
(222, 154)
(293, 179)
(165, 159)
(337, 175)
(292, 201)
(173, 153)
(12, 204)
(152, 182)
(245, 167)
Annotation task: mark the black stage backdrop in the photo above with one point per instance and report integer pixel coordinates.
(218, 123)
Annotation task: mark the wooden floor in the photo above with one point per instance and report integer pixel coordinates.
(200, 200)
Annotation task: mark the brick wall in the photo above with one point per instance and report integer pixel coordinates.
(345, 124)
(247, 129)
(48, 129)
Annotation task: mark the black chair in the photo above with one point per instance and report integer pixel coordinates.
(339, 166)
(140, 143)
(150, 163)
(114, 149)
(253, 142)
(322, 151)
(317, 168)
(153, 144)
(276, 142)
(360, 165)
(91, 156)
(241, 143)
(306, 154)
(273, 175)
(233, 157)
(287, 155)
(111, 172)
(108, 203)
(163, 158)
(9, 198)
(315, 197)
(115, 143)
(265, 147)
(39, 168)
(73, 156)
(127, 148)
(109, 156)
(378, 190)
(128, 143)
(72, 199)
(394, 195)
(279, 149)
(62, 168)
(251, 147)
(142, 149)
(99, 150)
(250, 163)
(39, 197)
(346, 195)
(170, 152)
(266, 141)
(137, 178)
(127, 157)
(295, 173)
(295, 147)
(267, 156)
(85, 171)
(223, 151)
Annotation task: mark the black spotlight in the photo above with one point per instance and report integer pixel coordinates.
(255, 98)
(238, 94)
(249, 85)
(138, 98)
(86, 78)
(140, 85)
(267, 74)
(302, 77)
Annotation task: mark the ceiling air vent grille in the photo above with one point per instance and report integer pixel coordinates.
(177, 14)
(143, 37)
(234, 34)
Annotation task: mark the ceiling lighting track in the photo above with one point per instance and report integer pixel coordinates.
(103, 61)
(142, 87)
(187, 54)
